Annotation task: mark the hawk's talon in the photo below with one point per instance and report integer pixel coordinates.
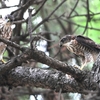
(3, 61)
(81, 67)
(76, 66)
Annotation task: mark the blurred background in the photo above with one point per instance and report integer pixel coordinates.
(51, 19)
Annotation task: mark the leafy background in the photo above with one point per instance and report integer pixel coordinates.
(68, 19)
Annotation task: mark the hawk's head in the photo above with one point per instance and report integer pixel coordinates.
(9, 18)
(69, 42)
(66, 40)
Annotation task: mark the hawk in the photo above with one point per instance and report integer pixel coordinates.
(5, 32)
(82, 46)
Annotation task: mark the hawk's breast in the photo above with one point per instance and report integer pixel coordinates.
(5, 33)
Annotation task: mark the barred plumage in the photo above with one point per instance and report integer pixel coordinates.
(82, 46)
(5, 32)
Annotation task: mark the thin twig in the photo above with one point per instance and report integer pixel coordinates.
(8, 7)
(13, 44)
(22, 7)
(37, 37)
(88, 18)
(30, 26)
(39, 8)
(97, 29)
(25, 20)
(47, 18)
(73, 8)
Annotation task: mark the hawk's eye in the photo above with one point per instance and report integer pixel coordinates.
(6, 17)
(9, 18)
(63, 40)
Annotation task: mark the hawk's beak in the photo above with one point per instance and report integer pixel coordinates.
(61, 44)
(7, 20)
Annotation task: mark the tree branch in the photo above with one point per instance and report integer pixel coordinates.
(43, 58)
(44, 78)
(53, 79)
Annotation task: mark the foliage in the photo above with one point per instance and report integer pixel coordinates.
(47, 20)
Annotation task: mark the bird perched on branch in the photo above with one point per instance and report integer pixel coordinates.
(82, 46)
(5, 32)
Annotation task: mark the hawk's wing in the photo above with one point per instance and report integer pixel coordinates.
(87, 42)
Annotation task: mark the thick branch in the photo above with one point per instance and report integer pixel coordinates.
(43, 58)
(88, 80)
(53, 79)
(85, 80)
